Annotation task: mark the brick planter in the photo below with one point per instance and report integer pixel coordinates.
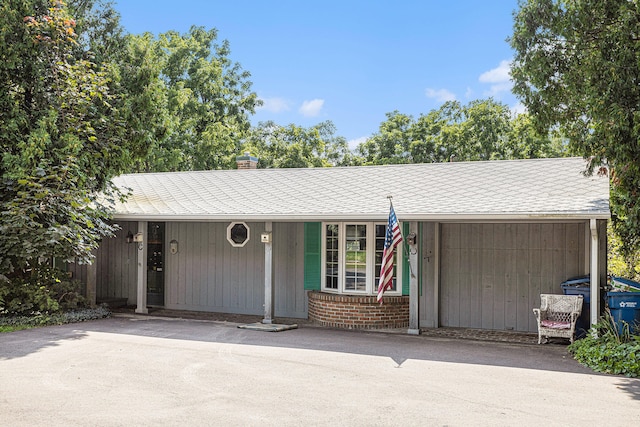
(358, 312)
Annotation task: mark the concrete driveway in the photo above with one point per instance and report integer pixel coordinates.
(150, 371)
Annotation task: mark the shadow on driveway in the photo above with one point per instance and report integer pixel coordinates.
(398, 347)
(22, 343)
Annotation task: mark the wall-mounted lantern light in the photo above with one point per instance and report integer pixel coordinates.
(129, 237)
(411, 239)
(173, 247)
(139, 239)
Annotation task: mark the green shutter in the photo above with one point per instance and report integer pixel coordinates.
(406, 272)
(312, 255)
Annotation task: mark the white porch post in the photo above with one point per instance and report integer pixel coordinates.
(436, 275)
(268, 275)
(414, 292)
(595, 278)
(142, 269)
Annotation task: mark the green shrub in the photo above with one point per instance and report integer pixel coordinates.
(45, 290)
(12, 323)
(605, 350)
(620, 262)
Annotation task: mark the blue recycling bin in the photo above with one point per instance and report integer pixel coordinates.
(579, 288)
(625, 308)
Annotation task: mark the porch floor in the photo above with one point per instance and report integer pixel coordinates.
(449, 333)
(487, 335)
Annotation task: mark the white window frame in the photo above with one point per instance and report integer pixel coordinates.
(230, 240)
(371, 285)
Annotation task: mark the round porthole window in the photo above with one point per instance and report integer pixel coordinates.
(238, 234)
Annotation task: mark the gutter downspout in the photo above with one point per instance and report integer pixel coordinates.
(595, 278)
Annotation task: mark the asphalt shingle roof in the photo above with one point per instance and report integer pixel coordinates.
(518, 189)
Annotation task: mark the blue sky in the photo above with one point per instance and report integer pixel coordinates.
(351, 61)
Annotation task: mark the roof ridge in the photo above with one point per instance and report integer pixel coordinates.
(389, 166)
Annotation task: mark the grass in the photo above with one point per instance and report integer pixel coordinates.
(13, 328)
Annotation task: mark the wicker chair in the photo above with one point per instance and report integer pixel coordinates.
(557, 316)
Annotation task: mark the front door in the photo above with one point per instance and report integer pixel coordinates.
(155, 264)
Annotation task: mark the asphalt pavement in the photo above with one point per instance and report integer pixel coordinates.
(144, 371)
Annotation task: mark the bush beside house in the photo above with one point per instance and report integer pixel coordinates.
(46, 297)
(609, 351)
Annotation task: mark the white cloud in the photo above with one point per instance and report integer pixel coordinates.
(311, 108)
(499, 79)
(469, 93)
(500, 74)
(353, 143)
(497, 89)
(519, 108)
(441, 95)
(274, 105)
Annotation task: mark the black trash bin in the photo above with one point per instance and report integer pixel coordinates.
(580, 286)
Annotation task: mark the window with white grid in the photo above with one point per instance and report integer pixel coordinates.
(351, 257)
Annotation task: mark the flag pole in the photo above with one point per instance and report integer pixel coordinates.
(407, 249)
(393, 237)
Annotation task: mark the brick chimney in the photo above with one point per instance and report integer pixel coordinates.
(246, 161)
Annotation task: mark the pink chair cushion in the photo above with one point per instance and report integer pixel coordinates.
(554, 324)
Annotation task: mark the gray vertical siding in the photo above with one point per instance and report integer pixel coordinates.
(288, 255)
(427, 284)
(491, 275)
(78, 272)
(208, 274)
(117, 265)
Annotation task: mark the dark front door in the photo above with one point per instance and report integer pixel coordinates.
(155, 264)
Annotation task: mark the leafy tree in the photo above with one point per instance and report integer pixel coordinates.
(484, 130)
(476, 131)
(480, 130)
(203, 98)
(619, 262)
(434, 135)
(576, 68)
(62, 138)
(136, 76)
(524, 141)
(391, 144)
(131, 69)
(101, 37)
(297, 147)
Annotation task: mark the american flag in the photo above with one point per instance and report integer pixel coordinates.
(393, 237)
